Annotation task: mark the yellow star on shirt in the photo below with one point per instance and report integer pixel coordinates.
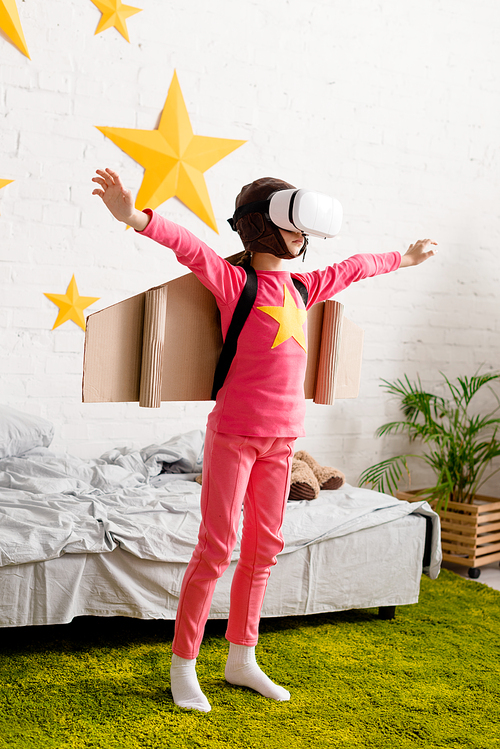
(174, 158)
(10, 24)
(291, 320)
(71, 305)
(114, 13)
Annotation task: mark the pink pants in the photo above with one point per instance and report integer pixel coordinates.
(249, 471)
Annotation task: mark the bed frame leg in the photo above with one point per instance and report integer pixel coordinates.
(387, 612)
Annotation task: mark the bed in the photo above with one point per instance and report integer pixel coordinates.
(112, 536)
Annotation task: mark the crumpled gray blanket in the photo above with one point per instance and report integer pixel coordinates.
(52, 505)
(40, 471)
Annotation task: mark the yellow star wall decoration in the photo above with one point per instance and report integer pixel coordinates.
(290, 318)
(10, 24)
(71, 305)
(114, 13)
(4, 182)
(174, 158)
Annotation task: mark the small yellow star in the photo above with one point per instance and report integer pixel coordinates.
(114, 13)
(10, 24)
(71, 305)
(291, 319)
(173, 157)
(4, 182)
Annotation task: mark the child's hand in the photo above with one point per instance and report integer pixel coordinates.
(119, 200)
(418, 252)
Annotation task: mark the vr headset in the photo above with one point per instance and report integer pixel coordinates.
(297, 210)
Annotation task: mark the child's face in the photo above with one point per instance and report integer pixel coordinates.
(293, 240)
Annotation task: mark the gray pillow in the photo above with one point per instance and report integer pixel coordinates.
(20, 432)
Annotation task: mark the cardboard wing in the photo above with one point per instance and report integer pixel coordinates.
(164, 344)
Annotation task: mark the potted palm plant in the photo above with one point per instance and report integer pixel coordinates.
(460, 447)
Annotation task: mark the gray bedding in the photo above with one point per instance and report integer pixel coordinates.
(112, 536)
(53, 505)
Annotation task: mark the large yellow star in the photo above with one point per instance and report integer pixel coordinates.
(10, 24)
(291, 319)
(114, 13)
(71, 305)
(173, 158)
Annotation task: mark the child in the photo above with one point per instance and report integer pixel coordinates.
(258, 414)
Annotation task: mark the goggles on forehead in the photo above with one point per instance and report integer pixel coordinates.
(297, 210)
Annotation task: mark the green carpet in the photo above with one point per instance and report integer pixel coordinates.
(429, 678)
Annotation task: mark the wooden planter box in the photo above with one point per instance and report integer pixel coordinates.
(470, 533)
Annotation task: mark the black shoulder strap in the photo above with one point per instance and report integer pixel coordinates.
(240, 314)
(301, 288)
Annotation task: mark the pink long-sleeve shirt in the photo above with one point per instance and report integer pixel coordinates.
(263, 394)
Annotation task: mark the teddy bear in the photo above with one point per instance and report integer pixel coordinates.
(309, 477)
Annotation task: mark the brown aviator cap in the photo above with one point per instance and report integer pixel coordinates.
(256, 231)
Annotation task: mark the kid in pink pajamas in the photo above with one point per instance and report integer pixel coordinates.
(258, 414)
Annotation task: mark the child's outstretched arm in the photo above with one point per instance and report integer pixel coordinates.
(224, 280)
(418, 252)
(119, 200)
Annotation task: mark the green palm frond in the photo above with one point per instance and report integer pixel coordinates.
(386, 475)
(477, 424)
(468, 387)
(458, 447)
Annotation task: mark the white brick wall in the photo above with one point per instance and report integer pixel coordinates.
(392, 106)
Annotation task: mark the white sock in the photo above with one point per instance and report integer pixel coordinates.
(242, 670)
(184, 685)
